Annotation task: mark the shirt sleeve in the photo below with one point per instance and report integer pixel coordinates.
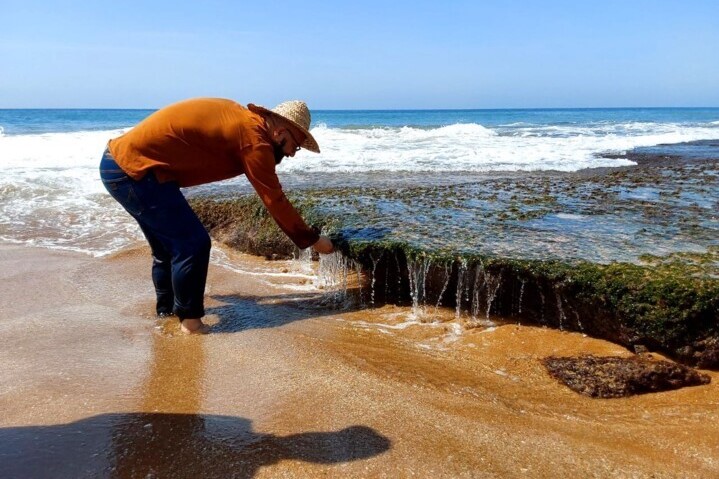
(259, 165)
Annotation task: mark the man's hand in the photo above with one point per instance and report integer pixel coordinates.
(323, 245)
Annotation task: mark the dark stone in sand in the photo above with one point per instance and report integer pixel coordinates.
(704, 353)
(613, 377)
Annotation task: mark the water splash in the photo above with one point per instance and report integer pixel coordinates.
(333, 277)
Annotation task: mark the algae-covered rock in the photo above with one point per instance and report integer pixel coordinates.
(630, 255)
(243, 223)
(613, 377)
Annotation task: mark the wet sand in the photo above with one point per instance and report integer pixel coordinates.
(92, 385)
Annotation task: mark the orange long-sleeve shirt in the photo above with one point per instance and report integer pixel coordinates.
(210, 139)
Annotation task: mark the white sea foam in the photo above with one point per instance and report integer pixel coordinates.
(51, 195)
(54, 150)
(472, 147)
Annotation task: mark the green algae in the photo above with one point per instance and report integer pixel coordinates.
(243, 223)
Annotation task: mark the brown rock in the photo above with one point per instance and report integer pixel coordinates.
(611, 377)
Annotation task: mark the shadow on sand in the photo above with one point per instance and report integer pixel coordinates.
(241, 313)
(145, 445)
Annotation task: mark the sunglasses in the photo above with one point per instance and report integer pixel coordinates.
(297, 143)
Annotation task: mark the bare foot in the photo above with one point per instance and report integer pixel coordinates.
(194, 326)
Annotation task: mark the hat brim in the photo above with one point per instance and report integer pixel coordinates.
(309, 144)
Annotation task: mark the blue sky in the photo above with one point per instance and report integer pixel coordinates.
(360, 55)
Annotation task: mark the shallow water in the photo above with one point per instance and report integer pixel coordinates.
(602, 217)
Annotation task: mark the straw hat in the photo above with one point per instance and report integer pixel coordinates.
(295, 112)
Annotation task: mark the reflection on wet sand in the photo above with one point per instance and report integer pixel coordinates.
(237, 313)
(171, 439)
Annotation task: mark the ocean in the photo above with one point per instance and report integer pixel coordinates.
(50, 193)
(385, 359)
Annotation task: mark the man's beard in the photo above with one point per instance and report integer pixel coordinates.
(279, 152)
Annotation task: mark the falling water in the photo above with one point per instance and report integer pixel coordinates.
(358, 270)
(461, 272)
(560, 309)
(541, 295)
(447, 276)
(417, 271)
(399, 274)
(304, 260)
(333, 274)
(493, 284)
(477, 296)
(478, 282)
(375, 261)
(579, 321)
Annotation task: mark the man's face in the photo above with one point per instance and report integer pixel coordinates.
(287, 142)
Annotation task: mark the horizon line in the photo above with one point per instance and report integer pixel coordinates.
(398, 109)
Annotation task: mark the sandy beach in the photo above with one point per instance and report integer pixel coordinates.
(448, 240)
(94, 386)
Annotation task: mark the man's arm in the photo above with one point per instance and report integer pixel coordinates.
(259, 166)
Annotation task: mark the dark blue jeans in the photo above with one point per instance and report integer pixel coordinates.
(180, 244)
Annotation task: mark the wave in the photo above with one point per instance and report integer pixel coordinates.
(54, 150)
(473, 147)
(456, 147)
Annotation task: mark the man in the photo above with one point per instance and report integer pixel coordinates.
(190, 143)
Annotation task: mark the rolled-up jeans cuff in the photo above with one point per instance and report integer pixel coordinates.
(184, 314)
